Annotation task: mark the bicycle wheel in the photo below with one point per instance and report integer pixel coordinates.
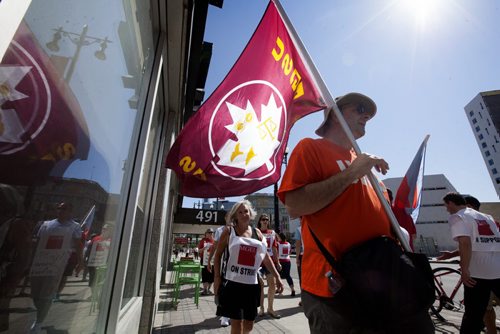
(449, 290)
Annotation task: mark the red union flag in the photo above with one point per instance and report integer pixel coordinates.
(234, 144)
(41, 122)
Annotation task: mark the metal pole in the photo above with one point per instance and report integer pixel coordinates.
(276, 210)
(79, 44)
(330, 101)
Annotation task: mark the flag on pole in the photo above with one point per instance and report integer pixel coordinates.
(41, 122)
(86, 224)
(234, 144)
(409, 193)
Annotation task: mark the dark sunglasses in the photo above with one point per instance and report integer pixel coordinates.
(360, 108)
(265, 219)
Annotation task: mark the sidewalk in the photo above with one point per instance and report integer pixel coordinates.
(189, 319)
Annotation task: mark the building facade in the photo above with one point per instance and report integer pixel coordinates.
(264, 203)
(92, 95)
(483, 113)
(433, 232)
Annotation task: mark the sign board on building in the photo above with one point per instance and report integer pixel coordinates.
(200, 216)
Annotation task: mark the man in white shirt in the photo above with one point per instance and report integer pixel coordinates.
(478, 238)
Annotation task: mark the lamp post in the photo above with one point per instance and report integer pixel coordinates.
(79, 40)
(276, 203)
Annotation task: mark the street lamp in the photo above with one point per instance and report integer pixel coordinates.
(79, 40)
(276, 203)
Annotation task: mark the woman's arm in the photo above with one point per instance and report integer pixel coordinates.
(221, 245)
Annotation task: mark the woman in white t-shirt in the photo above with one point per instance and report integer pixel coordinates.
(239, 295)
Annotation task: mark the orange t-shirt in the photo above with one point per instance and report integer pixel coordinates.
(354, 216)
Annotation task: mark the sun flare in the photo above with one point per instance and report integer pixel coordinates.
(425, 12)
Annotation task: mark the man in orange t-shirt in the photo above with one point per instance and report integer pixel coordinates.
(326, 184)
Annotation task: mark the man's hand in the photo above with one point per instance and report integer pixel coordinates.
(466, 279)
(364, 163)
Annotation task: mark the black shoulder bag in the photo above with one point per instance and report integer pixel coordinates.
(379, 282)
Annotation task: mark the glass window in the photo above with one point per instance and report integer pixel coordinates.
(142, 212)
(494, 171)
(494, 149)
(487, 153)
(483, 145)
(490, 162)
(481, 105)
(480, 137)
(488, 121)
(63, 163)
(480, 115)
(471, 113)
(497, 180)
(487, 132)
(478, 128)
(474, 121)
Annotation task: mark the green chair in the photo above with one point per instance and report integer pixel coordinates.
(187, 273)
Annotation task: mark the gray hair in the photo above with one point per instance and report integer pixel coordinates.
(231, 216)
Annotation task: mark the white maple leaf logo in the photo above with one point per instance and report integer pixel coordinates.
(257, 139)
(11, 128)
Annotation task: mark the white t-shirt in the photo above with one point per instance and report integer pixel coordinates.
(485, 240)
(245, 258)
(56, 243)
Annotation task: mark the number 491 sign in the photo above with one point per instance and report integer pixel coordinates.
(199, 216)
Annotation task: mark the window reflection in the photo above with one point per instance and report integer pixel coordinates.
(70, 86)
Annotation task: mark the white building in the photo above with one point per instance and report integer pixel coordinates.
(483, 113)
(433, 232)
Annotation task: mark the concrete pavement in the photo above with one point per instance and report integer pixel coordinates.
(189, 319)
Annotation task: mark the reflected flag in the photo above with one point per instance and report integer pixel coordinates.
(234, 144)
(41, 122)
(409, 193)
(86, 224)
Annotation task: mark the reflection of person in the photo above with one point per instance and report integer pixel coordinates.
(284, 250)
(207, 276)
(240, 295)
(97, 252)
(58, 252)
(478, 238)
(15, 248)
(272, 249)
(326, 185)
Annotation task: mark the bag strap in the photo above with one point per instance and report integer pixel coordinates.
(329, 257)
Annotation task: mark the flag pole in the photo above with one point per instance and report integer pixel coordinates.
(330, 102)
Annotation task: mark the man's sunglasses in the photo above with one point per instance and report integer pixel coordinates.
(360, 108)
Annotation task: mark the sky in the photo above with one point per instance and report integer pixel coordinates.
(421, 61)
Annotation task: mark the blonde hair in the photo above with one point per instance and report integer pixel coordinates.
(231, 216)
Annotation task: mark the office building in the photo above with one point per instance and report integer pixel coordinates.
(433, 233)
(483, 113)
